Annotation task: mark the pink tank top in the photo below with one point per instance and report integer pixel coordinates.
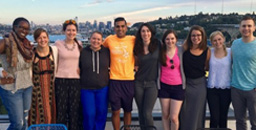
(171, 76)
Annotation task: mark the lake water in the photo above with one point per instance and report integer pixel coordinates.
(52, 38)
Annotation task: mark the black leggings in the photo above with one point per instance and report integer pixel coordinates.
(218, 101)
(68, 103)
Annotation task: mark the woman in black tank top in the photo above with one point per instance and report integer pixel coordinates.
(195, 62)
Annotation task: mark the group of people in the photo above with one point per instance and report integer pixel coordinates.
(68, 84)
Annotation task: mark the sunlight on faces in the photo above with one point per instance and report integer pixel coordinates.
(120, 29)
(196, 37)
(170, 40)
(70, 32)
(22, 30)
(145, 34)
(96, 40)
(218, 41)
(247, 27)
(43, 40)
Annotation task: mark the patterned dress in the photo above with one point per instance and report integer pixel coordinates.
(43, 107)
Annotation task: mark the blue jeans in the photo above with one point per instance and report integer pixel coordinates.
(17, 104)
(95, 108)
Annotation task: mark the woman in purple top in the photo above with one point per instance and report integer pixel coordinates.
(172, 79)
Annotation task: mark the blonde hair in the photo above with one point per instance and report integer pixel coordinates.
(215, 33)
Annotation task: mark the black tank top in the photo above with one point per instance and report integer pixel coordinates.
(194, 66)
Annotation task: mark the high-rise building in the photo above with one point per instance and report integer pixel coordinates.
(95, 24)
(101, 26)
(109, 25)
(76, 19)
(32, 24)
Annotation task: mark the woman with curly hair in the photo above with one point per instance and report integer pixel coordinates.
(146, 51)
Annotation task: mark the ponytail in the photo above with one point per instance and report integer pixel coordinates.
(79, 46)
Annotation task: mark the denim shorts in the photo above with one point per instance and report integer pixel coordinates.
(171, 91)
(121, 93)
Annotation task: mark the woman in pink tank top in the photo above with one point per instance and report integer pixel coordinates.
(172, 81)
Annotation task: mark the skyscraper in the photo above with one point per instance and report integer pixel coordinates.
(109, 25)
(76, 19)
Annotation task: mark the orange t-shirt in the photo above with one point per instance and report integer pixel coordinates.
(121, 57)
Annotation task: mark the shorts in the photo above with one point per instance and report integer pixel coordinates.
(171, 91)
(121, 93)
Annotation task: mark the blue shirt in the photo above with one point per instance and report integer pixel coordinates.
(244, 65)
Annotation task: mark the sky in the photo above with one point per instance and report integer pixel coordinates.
(57, 11)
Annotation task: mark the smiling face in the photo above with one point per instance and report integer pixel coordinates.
(22, 29)
(218, 41)
(43, 40)
(96, 40)
(120, 29)
(170, 40)
(145, 34)
(247, 27)
(196, 37)
(70, 32)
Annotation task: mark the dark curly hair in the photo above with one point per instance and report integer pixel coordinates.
(138, 48)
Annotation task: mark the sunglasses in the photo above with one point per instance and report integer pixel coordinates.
(70, 21)
(172, 66)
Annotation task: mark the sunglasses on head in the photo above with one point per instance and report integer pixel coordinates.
(172, 65)
(70, 21)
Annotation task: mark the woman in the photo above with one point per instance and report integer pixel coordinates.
(219, 79)
(43, 109)
(94, 64)
(172, 80)
(67, 83)
(16, 56)
(195, 62)
(146, 51)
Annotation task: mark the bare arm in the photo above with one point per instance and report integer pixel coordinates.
(207, 59)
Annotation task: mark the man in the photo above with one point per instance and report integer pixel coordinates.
(121, 85)
(243, 92)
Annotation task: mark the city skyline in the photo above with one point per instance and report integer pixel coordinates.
(57, 11)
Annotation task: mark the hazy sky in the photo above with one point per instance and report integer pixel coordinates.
(57, 11)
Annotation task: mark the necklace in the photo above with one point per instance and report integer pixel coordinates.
(69, 49)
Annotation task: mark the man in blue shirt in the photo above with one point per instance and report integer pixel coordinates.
(243, 92)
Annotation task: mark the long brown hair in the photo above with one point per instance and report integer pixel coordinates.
(138, 47)
(188, 42)
(164, 48)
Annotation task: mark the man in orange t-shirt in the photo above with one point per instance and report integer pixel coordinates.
(121, 85)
